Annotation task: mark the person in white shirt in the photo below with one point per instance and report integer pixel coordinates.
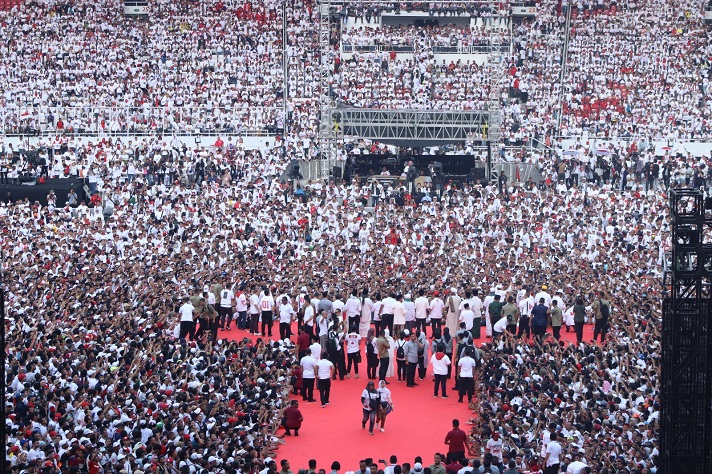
(526, 303)
(352, 309)
(398, 315)
(353, 351)
(552, 461)
(254, 310)
(545, 295)
(436, 311)
(421, 311)
(227, 297)
(241, 309)
(187, 324)
(308, 363)
(467, 316)
(494, 447)
(388, 306)
(267, 312)
(577, 467)
(409, 312)
(366, 314)
(286, 317)
(309, 315)
(466, 373)
(324, 370)
(322, 321)
(440, 363)
(499, 328)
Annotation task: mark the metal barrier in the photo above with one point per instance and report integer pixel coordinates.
(185, 120)
(408, 48)
(517, 171)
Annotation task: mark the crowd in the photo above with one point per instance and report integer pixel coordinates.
(99, 378)
(93, 290)
(124, 75)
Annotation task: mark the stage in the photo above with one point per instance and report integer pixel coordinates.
(38, 192)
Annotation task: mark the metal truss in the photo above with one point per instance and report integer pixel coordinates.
(497, 72)
(686, 369)
(407, 124)
(379, 124)
(327, 124)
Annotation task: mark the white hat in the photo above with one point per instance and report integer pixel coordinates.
(453, 289)
(407, 296)
(417, 467)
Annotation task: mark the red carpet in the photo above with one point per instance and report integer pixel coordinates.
(416, 427)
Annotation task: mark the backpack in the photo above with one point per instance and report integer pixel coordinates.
(605, 310)
(400, 353)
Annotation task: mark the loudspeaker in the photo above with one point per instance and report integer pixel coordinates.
(336, 172)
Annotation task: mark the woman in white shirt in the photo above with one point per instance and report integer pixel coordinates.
(386, 404)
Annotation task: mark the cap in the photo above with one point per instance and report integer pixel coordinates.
(417, 467)
(544, 287)
(436, 293)
(268, 460)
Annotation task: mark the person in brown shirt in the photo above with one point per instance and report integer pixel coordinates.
(383, 354)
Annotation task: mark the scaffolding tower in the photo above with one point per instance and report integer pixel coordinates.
(330, 121)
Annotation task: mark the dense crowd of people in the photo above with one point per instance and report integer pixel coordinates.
(116, 362)
(97, 290)
(631, 70)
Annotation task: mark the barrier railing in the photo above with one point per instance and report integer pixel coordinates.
(408, 48)
(184, 120)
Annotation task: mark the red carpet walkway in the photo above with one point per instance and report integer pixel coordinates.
(416, 427)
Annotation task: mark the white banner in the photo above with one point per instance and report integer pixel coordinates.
(524, 11)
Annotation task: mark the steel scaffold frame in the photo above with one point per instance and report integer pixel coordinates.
(485, 124)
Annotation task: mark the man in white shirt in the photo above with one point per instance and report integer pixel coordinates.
(267, 312)
(254, 310)
(466, 372)
(552, 460)
(409, 312)
(421, 311)
(241, 309)
(309, 316)
(440, 363)
(526, 303)
(352, 309)
(545, 295)
(578, 466)
(286, 316)
(436, 311)
(308, 363)
(353, 350)
(187, 325)
(324, 370)
(225, 309)
(494, 447)
(467, 316)
(388, 306)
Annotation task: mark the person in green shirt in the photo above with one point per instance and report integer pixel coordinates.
(437, 467)
(495, 310)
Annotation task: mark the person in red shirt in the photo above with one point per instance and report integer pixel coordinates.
(293, 419)
(455, 439)
(302, 342)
